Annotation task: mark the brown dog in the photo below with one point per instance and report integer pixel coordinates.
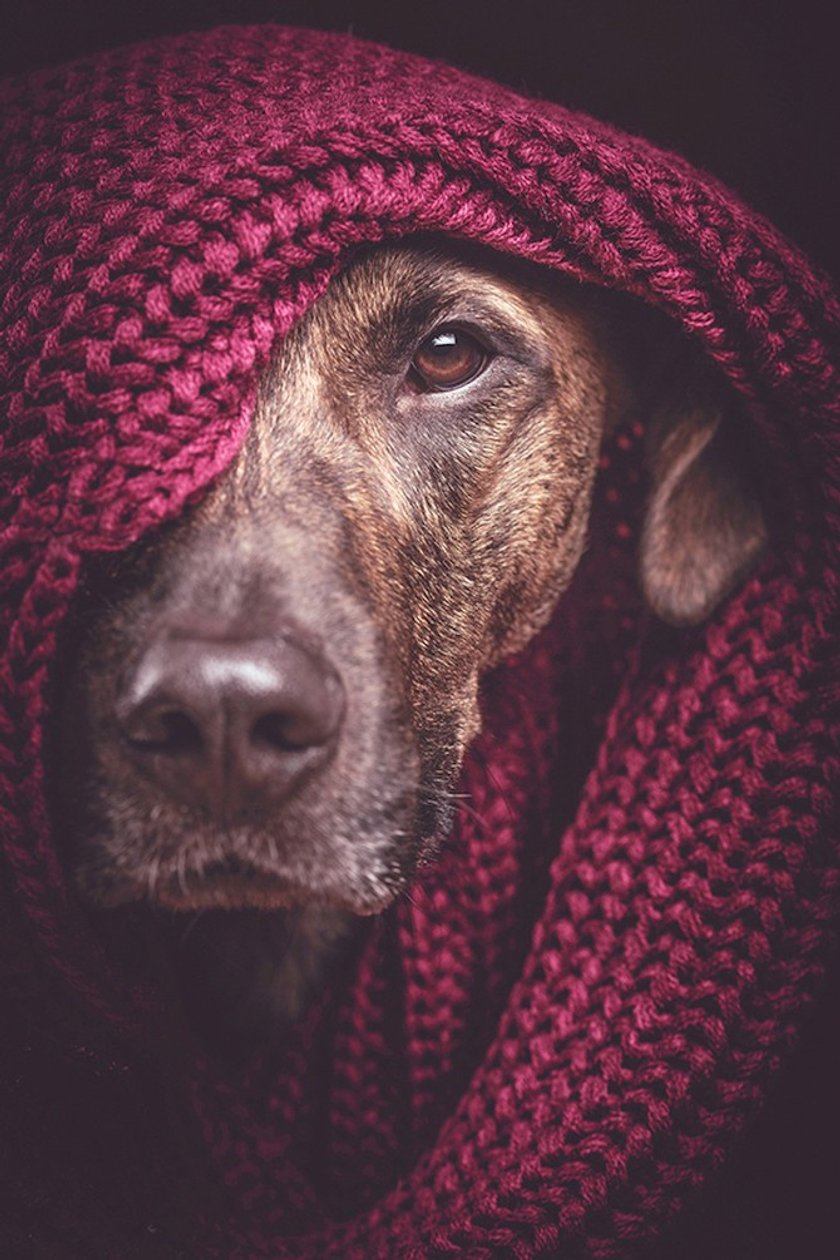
(269, 703)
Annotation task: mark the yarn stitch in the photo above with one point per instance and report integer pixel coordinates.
(550, 1047)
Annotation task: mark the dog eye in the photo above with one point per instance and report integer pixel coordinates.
(448, 358)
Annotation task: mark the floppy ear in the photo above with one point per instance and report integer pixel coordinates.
(704, 527)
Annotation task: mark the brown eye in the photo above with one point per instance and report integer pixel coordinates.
(448, 358)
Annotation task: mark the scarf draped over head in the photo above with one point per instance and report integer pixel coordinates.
(550, 1047)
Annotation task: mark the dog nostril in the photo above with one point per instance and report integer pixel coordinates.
(288, 732)
(167, 731)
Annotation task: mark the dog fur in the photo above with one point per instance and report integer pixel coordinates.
(404, 538)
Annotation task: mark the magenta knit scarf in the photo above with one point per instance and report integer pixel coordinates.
(556, 1039)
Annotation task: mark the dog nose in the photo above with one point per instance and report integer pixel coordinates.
(230, 726)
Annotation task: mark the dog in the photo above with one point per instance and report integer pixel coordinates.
(266, 705)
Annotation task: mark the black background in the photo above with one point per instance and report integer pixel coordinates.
(744, 88)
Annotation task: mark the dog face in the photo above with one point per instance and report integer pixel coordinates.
(269, 703)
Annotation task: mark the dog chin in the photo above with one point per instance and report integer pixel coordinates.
(264, 893)
(236, 885)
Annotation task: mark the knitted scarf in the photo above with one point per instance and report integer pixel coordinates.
(549, 1047)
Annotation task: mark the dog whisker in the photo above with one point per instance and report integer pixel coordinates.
(153, 875)
(194, 920)
(461, 801)
(181, 871)
(499, 789)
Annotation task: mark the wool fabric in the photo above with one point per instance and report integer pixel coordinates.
(552, 1045)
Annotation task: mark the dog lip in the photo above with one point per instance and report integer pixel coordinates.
(240, 886)
(232, 891)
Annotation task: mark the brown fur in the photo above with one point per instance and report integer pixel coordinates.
(413, 539)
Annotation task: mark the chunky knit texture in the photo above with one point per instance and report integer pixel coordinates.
(549, 1047)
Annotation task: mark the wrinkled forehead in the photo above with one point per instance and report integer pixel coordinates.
(390, 294)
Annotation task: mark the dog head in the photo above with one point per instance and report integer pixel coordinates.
(269, 702)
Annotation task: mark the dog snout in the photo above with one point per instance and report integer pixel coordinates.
(230, 727)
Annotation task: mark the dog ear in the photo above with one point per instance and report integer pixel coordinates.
(704, 527)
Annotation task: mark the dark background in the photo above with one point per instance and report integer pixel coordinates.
(744, 88)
